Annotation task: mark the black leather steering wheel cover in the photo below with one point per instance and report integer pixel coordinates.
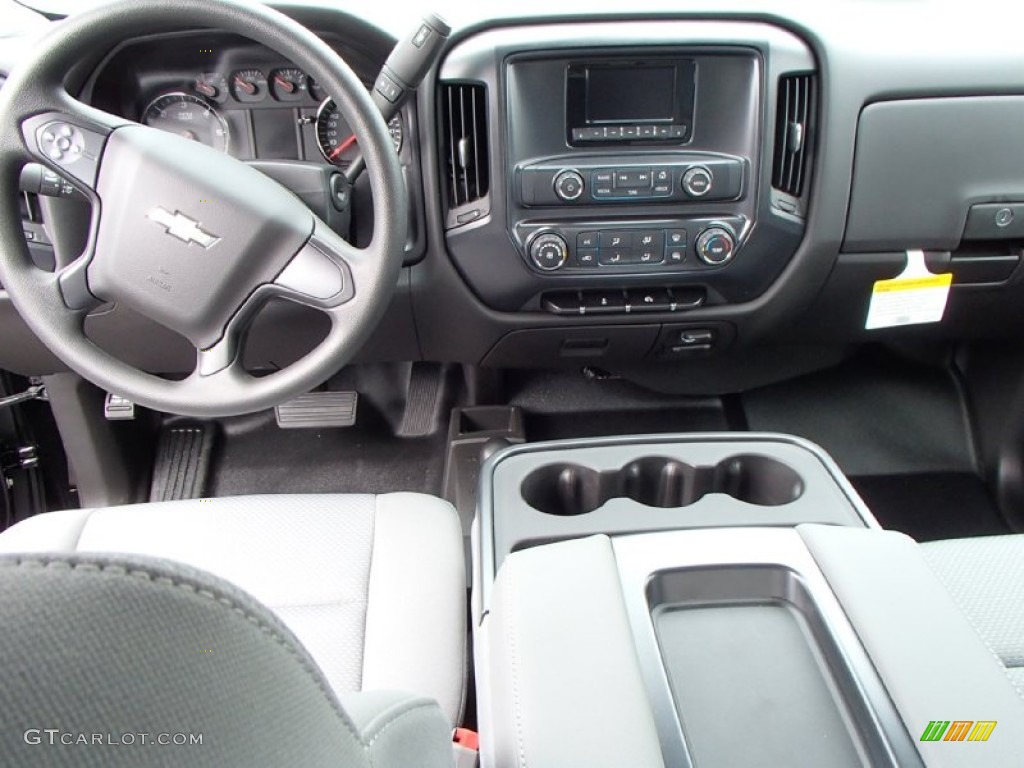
(32, 89)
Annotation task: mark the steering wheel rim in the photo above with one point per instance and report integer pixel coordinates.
(204, 272)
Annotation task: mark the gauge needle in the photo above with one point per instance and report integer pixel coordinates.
(245, 85)
(287, 85)
(343, 146)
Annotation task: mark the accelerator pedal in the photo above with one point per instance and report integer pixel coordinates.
(318, 410)
(182, 467)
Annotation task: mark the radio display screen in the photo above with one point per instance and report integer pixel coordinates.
(631, 94)
(627, 100)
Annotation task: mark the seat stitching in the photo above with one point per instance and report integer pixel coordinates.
(136, 571)
(517, 714)
(366, 599)
(405, 708)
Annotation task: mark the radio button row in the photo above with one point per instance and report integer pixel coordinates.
(630, 132)
(634, 178)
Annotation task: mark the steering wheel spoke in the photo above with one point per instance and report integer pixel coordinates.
(320, 275)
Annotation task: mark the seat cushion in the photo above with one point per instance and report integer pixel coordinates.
(986, 578)
(196, 667)
(373, 586)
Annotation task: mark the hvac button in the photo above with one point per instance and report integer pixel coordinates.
(653, 300)
(586, 257)
(602, 302)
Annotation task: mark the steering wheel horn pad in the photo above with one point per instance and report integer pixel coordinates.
(187, 233)
(183, 234)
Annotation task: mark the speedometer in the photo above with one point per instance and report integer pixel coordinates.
(336, 140)
(188, 116)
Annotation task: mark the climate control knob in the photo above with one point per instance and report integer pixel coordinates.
(716, 246)
(568, 186)
(549, 252)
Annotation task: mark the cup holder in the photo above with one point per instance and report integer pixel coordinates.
(567, 489)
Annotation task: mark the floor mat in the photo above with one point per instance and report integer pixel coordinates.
(876, 414)
(255, 456)
(930, 506)
(566, 405)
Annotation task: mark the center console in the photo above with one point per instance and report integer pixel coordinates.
(640, 164)
(711, 600)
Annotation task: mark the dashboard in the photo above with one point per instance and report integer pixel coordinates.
(230, 94)
(714, 191)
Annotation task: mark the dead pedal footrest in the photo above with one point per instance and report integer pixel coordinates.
(318, 409)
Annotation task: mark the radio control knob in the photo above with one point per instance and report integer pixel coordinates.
(716, 246)
(697, 181)
(568, 185)
(549, 252)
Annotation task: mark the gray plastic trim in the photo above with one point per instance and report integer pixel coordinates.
(508, 523)
(642, 556)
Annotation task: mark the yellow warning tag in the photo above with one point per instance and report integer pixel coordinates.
(917, 296)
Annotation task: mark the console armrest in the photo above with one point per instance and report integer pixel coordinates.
(932, 661)
(556, 663)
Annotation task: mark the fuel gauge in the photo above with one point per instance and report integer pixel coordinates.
(211, 86)
(249, 85)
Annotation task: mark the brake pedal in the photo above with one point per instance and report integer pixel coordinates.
(318, 409)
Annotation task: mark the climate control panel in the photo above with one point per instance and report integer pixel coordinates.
(578, 183)
(620, 247)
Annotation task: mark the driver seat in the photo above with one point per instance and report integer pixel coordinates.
(373, 586)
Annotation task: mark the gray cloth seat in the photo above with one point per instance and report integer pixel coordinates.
(121, 661)
(985, 576)
(373, 586)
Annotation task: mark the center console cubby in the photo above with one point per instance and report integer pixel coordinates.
(545, 492)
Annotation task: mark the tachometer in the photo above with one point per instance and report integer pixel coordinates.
(335, 138)
(188, 116)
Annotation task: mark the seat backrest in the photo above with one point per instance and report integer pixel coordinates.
(131, 661)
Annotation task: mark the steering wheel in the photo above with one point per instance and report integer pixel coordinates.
(184, 234)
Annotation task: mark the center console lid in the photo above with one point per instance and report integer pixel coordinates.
(815, 645)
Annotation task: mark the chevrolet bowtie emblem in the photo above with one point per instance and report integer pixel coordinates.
(182, 227)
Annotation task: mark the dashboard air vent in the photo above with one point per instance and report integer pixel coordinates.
(794, 122)
(464, 126)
